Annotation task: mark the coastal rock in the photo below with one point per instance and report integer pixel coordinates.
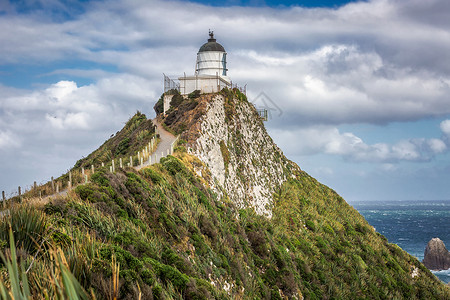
(226, 133)
(437, 257)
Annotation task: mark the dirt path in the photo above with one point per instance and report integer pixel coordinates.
(164, 146)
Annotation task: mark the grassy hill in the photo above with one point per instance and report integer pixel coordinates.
(167, 232)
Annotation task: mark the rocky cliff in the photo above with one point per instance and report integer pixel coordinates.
(437, 257)
(225, 132)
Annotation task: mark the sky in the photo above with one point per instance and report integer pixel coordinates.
(357, 91)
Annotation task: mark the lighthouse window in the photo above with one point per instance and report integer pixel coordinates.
(224, 64)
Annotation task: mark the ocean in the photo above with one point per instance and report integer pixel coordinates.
(410, 224)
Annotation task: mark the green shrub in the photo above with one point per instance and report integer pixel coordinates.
(195, 94)
(153, 175)
(202, 197)
(173, 165)
(92, 193)
(275, 294)
(310, 225)
(100, 177)
(159, 106)
(176, 100)
(123, 146)
(327, 228)
(200, 247)
(178, 279)
(157, 291)
(29, 227)
(123, 257)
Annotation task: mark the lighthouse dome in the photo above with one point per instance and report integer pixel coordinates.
(211, 45)
(211, 58)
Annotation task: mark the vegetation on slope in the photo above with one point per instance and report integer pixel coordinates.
(161, 233)
(132, 138)
(171, 237)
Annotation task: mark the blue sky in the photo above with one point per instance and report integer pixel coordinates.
(362, 86)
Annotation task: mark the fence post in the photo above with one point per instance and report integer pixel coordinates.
(3, 197)
(131, 161)
(110, 169)
(53, 185)
(113, 167)
(57, 188)
(103, 164)
(120, 161)
(85, 179)
(142, 162)
(139, 156)
(35, 186)
(70, 179)
(92, 169)
(82, 171)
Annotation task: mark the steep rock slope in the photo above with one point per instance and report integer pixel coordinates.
(225, 132)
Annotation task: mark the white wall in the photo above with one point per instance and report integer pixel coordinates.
(206, 84)
(166, 102)
(210, 63)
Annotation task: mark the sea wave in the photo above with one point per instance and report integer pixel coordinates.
(443, 275)
(442, 272)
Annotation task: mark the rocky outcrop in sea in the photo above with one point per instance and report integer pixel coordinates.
(437, 257)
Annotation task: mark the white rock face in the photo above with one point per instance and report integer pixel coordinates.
(253, 166)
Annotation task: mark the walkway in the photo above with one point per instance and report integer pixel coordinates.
(164, 147)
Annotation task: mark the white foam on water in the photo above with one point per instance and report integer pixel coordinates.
(442, 272)
(443, 275)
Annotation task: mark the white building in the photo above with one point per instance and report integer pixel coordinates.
(210, 73)
(210, 70)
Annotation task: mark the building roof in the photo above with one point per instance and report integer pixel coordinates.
(211, 45)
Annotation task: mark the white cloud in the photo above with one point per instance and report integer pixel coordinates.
(45, 131)
(445, 127)
(8, 140)
(329, 140)
(388, 167)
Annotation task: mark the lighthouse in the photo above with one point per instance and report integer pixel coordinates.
(210, 69)
(211, 58)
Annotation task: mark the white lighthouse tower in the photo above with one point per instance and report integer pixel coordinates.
(211, 58)
(210, 69)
